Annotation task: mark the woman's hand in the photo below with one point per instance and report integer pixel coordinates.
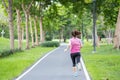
(68, 47)
(65, 50)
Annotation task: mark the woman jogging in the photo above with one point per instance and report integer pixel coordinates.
(75, 45)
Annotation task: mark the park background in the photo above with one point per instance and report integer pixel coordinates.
(30, 26)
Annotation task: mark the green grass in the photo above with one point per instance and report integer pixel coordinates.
(13, 65)
(104, 64)
(5, 44)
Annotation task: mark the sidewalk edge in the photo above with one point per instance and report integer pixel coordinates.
(35, 64)
(85, 70)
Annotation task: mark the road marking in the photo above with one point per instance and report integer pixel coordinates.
(22, 75)
(85, 70)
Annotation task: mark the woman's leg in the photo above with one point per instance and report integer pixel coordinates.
(78, 57)
(73, 61)
(78, 61)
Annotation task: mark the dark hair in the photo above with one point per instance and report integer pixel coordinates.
(75, 33)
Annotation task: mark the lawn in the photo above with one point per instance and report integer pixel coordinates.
(5, 44)
(104, 64)
(13, 65)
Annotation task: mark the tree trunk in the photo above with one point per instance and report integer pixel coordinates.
(31, 31)
(26, 11)
(41, 31)
(62, 34)
(27, 30)
(60, 38)
(44, 34)
(36, 36)
(22, 33)
(117, 33)
(97, 41)
(19, 29)
(96, 38)
(11, 28)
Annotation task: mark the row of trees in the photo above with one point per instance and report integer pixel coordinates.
(32, 10)
(44, 17)
(107, 17)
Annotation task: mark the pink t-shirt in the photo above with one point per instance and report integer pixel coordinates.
(75, 44)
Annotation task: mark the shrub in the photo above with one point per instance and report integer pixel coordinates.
(8, 52)
(48, 38)
(50, 44)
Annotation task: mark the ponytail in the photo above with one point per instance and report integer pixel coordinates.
(75, 33)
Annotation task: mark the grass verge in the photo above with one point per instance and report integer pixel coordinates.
(12, 66)
(104, 64)
(5, 44)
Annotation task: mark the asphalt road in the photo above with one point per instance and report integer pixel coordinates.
(56, 66)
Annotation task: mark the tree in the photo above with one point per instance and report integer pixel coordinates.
(19, 29)
(36, 32)
(41, 4)
(117, 33)
(34, 15)
(31, 30)
(17, 7)
(10, 17)
(42, 7)
(112, 7)
(26, 5)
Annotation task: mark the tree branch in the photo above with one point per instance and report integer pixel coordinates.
(23, 7)
(30, 5)
(5, 5)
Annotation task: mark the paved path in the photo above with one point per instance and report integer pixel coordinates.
(56, 66)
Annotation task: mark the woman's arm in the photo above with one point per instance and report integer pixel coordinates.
(68, 47)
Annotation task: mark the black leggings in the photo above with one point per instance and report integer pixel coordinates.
(75, 58)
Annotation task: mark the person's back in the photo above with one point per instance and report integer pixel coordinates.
(75, 45)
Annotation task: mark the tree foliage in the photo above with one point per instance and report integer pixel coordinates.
(67, 15)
